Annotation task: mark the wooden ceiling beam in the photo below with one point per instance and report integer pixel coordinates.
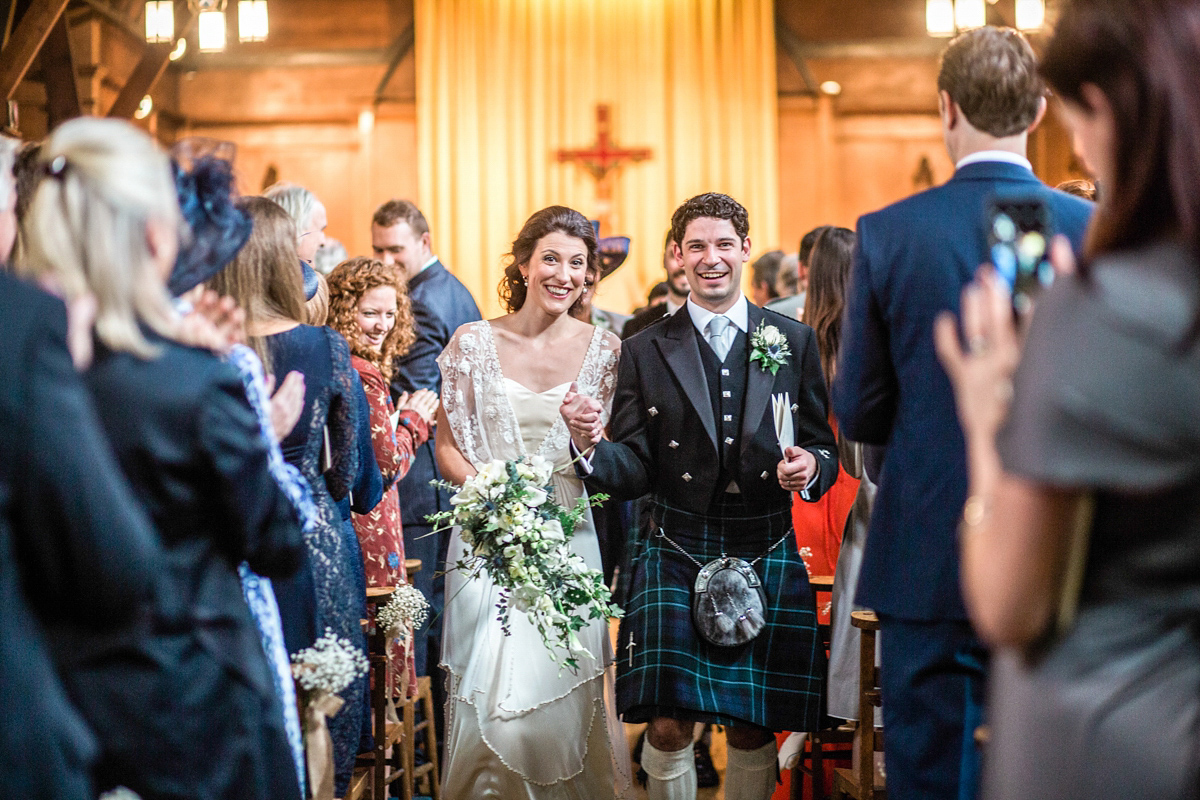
(26, 40)
(58, 71)
(151, 66)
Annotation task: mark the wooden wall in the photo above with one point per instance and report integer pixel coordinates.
(292, 105)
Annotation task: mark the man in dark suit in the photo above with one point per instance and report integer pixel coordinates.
(692, 425)
(911, 262)
(440, 304)
(677, 294)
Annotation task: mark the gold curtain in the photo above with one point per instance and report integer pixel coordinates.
(503, 84)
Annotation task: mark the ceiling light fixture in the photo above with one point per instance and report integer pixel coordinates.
(160, 21)
(939, 17)
(1031, 15)
(252, 20)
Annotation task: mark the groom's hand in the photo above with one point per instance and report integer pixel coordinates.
(583, 417)
(796, 469)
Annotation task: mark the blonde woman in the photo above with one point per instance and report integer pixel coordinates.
(181, 700)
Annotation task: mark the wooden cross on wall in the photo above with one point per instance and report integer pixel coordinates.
(602, 160)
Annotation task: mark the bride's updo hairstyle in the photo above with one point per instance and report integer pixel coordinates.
(86, 228)
(553, 219)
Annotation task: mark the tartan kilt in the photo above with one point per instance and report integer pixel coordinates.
(775, 681)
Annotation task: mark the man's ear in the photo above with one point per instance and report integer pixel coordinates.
(948, 110)
(1041, 114)
(746, 249)
(427, 242)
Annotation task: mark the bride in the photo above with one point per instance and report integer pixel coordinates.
(518, 727)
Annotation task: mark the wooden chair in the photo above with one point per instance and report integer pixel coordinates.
(428, 775)
(861, 782)
(820, 743)
(388, 734)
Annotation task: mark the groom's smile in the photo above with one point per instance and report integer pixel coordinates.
(713, 255)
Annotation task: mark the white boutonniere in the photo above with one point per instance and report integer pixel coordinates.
(769, 348)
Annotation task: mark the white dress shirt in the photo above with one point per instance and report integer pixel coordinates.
(1006, 156)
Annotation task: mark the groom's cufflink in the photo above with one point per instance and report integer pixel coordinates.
(765, 475)
(672, 444)
(652, 411)
(686, 476)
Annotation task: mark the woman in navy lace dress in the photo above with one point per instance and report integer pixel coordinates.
(329, 593)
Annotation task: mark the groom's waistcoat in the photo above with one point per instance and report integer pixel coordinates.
(727, 391)
(669, 429)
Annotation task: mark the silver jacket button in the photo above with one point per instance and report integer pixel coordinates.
(687, 476)
(652, 411)
(672, 444)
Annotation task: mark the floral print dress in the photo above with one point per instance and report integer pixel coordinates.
(380, 531)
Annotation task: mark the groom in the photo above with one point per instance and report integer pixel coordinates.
(692, 426)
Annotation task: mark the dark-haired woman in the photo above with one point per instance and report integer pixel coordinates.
(1081, 535)
(369, 306)
(849, 501)
(329, 592)
(519, 726)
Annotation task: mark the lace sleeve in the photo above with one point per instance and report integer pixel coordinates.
(598, 378)
(342, 419)
(288, 477)
(459, 362)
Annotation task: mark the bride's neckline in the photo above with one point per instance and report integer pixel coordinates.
(593, 342)
(534, 391)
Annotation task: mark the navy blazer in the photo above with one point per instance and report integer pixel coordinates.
(440, 304)
(664, 435)
(76, 551)
(911, 262)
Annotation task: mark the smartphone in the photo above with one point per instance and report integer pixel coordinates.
(1019, 234)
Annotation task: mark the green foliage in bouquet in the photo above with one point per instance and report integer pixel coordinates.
(518, 535)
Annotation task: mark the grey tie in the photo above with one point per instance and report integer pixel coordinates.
(718, 327)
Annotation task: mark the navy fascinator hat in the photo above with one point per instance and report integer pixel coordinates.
(204, 181)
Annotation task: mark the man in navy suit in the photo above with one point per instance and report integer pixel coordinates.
(911, 262)
(440, 304)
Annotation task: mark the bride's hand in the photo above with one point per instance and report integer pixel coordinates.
(583, 416)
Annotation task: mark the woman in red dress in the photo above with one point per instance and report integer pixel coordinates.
(369, 306)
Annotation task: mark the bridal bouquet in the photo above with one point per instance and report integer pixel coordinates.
(519, 536)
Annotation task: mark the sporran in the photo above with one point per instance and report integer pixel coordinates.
(728, 601)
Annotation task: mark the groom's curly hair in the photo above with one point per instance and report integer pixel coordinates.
(712, 204)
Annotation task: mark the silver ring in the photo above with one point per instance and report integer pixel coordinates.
(978, 345)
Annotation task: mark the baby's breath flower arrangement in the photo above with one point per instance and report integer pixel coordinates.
(330, 665)
(519, 536)
(406, 611)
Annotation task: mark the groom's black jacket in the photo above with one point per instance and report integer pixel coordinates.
(665, 431)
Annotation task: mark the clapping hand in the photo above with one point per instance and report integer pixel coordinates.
(584, 418)
(796, 469)
(287, 404)
(423, 402)
(215, 323)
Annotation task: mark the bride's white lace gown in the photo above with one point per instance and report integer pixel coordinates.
(518, 727)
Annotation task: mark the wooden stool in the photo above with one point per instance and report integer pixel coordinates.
(860, 782)
(428, 774)
(820, 742)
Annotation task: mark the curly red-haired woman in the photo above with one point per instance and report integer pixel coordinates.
(369, 306)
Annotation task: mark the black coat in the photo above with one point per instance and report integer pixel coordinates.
(75, 549)
(183, 701)
(664, 439)
(440, 304)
